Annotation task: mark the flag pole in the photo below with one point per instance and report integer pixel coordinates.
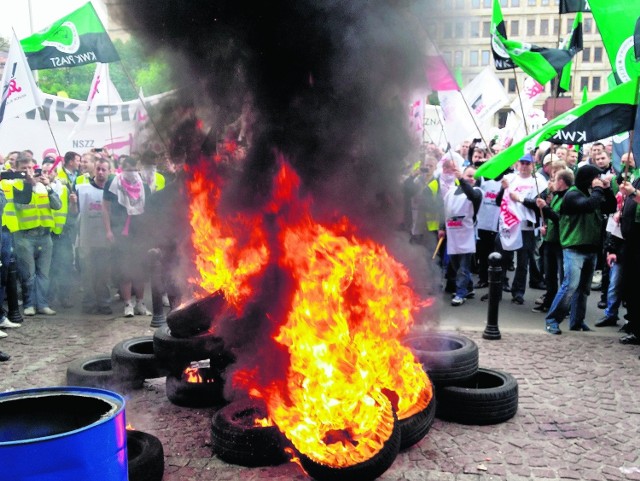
(444, 132)
(524, 116)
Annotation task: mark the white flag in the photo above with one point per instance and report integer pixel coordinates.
(19, 91)
(485, 95)
(102, 92)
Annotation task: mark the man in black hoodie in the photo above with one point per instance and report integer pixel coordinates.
(580, 220)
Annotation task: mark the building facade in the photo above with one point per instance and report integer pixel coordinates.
(461, 30)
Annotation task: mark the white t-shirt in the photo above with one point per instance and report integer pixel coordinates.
(91, 232)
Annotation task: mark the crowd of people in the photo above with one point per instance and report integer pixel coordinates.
(88, 216)
(565, 220)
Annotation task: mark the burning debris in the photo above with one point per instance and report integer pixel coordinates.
(287, 233)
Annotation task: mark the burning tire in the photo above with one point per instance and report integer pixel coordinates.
(96, 371)
(237, 438)
(174, 354)
(416, 427)
(362, 471)
(145, 457)
(195, 317)
(489, 397)
(205, 392)
(447, 358)
(135, 359)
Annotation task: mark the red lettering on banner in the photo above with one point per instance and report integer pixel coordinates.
(508, 218)
(13, 87)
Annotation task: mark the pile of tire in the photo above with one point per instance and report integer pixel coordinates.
(145, 457)
(466, 393)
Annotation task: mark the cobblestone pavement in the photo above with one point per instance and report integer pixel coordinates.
(578, 416)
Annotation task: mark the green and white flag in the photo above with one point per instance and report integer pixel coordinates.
(76, 39)
(573, 43)
(616, 21)
(607, 115)
(540, 63)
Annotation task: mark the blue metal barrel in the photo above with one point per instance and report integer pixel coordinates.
(63, 434)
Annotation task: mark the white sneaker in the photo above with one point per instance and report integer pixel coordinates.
(47, 311)
(3, 334)
(128, 310)
(6, 323)
(141, 309)
(30, 311)
(165, 300)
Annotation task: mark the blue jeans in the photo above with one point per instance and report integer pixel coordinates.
(461, 264)
(576, 285)
(614, 298)
(33, 256)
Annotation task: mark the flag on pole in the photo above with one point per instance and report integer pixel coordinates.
(438, 74)
(616, 21)
(76, 39)
(609, 114)
(541, 63)
(19, 91)
(101, 92)
(573, 6)
(573, 43)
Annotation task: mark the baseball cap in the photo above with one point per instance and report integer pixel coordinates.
(526, 158)
(549, 158)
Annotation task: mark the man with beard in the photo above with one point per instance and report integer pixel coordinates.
(580, 215)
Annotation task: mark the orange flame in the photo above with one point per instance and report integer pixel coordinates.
(350, 308)
(192, 375)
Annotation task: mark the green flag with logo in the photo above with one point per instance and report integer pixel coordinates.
(540, 63)
(609, 114)
(616, 21)
(76, 39)
(573, 42)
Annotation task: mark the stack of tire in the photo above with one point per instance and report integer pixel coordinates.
(466, 393)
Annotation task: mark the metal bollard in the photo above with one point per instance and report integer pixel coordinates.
(157, 288)
(491, 331)
(14, 314)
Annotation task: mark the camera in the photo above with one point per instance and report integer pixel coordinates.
(38, 172)
(98, 149)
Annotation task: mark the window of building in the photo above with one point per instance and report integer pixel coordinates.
(459, 4)
(544, 27)
(515, 3)
(531, 28)
(501, 81)
(570, 24)
(474, 29)
(584, 82)
(448, 30)
(515, 28)
(597, 54)
(511, 86)
(487, 3)
(475, 3)
(486, 57)
(459, 29)
(486, 29)
(544, 3)
(457, 58)
(587, 25)
(586, 54)
(532, 3)
(556, 26)
(503, 3)
(473, 58)
(595, 84)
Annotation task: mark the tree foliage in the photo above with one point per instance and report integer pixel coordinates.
(149, 73)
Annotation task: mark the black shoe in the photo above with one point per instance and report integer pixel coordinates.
(540, 309)
(606, 321)
(583, 327)
(602, 304)
(4, 356)
(481, 285)
(506, 288)
(517, 300)
(450, 288)
(470, 295)
(631, 339)
(538, 285)
(484, 297)
(625, 328)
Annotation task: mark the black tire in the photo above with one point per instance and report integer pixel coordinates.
(365, 471)
(196, 316)
(447, 358)
(95, 371)
(414, 428)
(175, 354)
(196, 395)
(236, 439)
(489, 397)
(135, 359)
(145, 457)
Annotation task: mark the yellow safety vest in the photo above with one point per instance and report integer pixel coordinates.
(433, 220)
(9, 218)
(160, 181)
(37, 214)
(82, 179)
(60, 216)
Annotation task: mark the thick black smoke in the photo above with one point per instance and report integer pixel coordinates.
(328, 81)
